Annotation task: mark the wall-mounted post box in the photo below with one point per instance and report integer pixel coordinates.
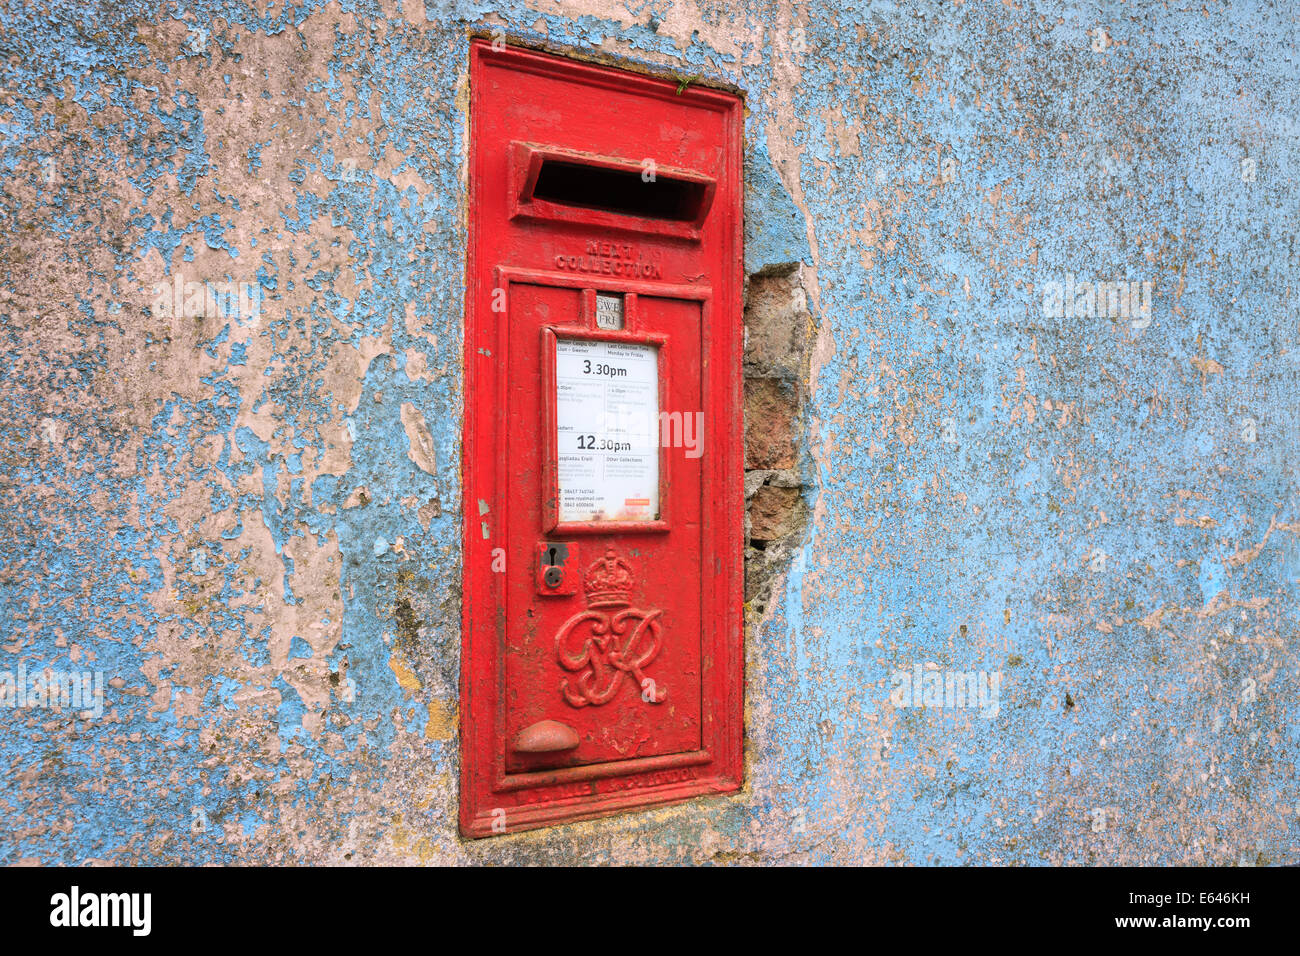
(602, 642)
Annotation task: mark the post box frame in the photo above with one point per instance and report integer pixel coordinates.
(539, 798)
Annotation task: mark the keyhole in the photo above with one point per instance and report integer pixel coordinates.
(552, 572)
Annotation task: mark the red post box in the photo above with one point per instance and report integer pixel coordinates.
(602, 641)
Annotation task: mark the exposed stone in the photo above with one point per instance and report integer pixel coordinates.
(784, 478)
(770, 410)
(753, 481)
(776, 324)
(775, 512)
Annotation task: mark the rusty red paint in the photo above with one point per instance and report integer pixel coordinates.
(622, 634)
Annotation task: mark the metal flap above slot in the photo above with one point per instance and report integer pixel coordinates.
(639, 196)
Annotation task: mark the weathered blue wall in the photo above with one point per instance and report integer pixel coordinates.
(248, 521)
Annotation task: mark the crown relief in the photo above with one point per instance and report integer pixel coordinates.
(609, 582)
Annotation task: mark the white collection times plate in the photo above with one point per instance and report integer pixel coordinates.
(607, 424)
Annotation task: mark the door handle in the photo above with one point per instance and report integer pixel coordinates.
(546, 736)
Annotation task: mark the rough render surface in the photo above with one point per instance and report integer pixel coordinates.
(250, 525)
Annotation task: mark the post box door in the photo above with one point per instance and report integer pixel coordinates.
(603, 498)
(613, 648)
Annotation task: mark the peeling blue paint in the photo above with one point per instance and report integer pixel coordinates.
(318, 151)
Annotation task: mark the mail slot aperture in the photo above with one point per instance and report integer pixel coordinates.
(550, 182)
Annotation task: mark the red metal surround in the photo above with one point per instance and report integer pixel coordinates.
(602, 660)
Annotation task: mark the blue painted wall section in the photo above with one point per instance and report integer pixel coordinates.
(232, 306)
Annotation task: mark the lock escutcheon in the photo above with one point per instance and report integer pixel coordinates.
(553, 560)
